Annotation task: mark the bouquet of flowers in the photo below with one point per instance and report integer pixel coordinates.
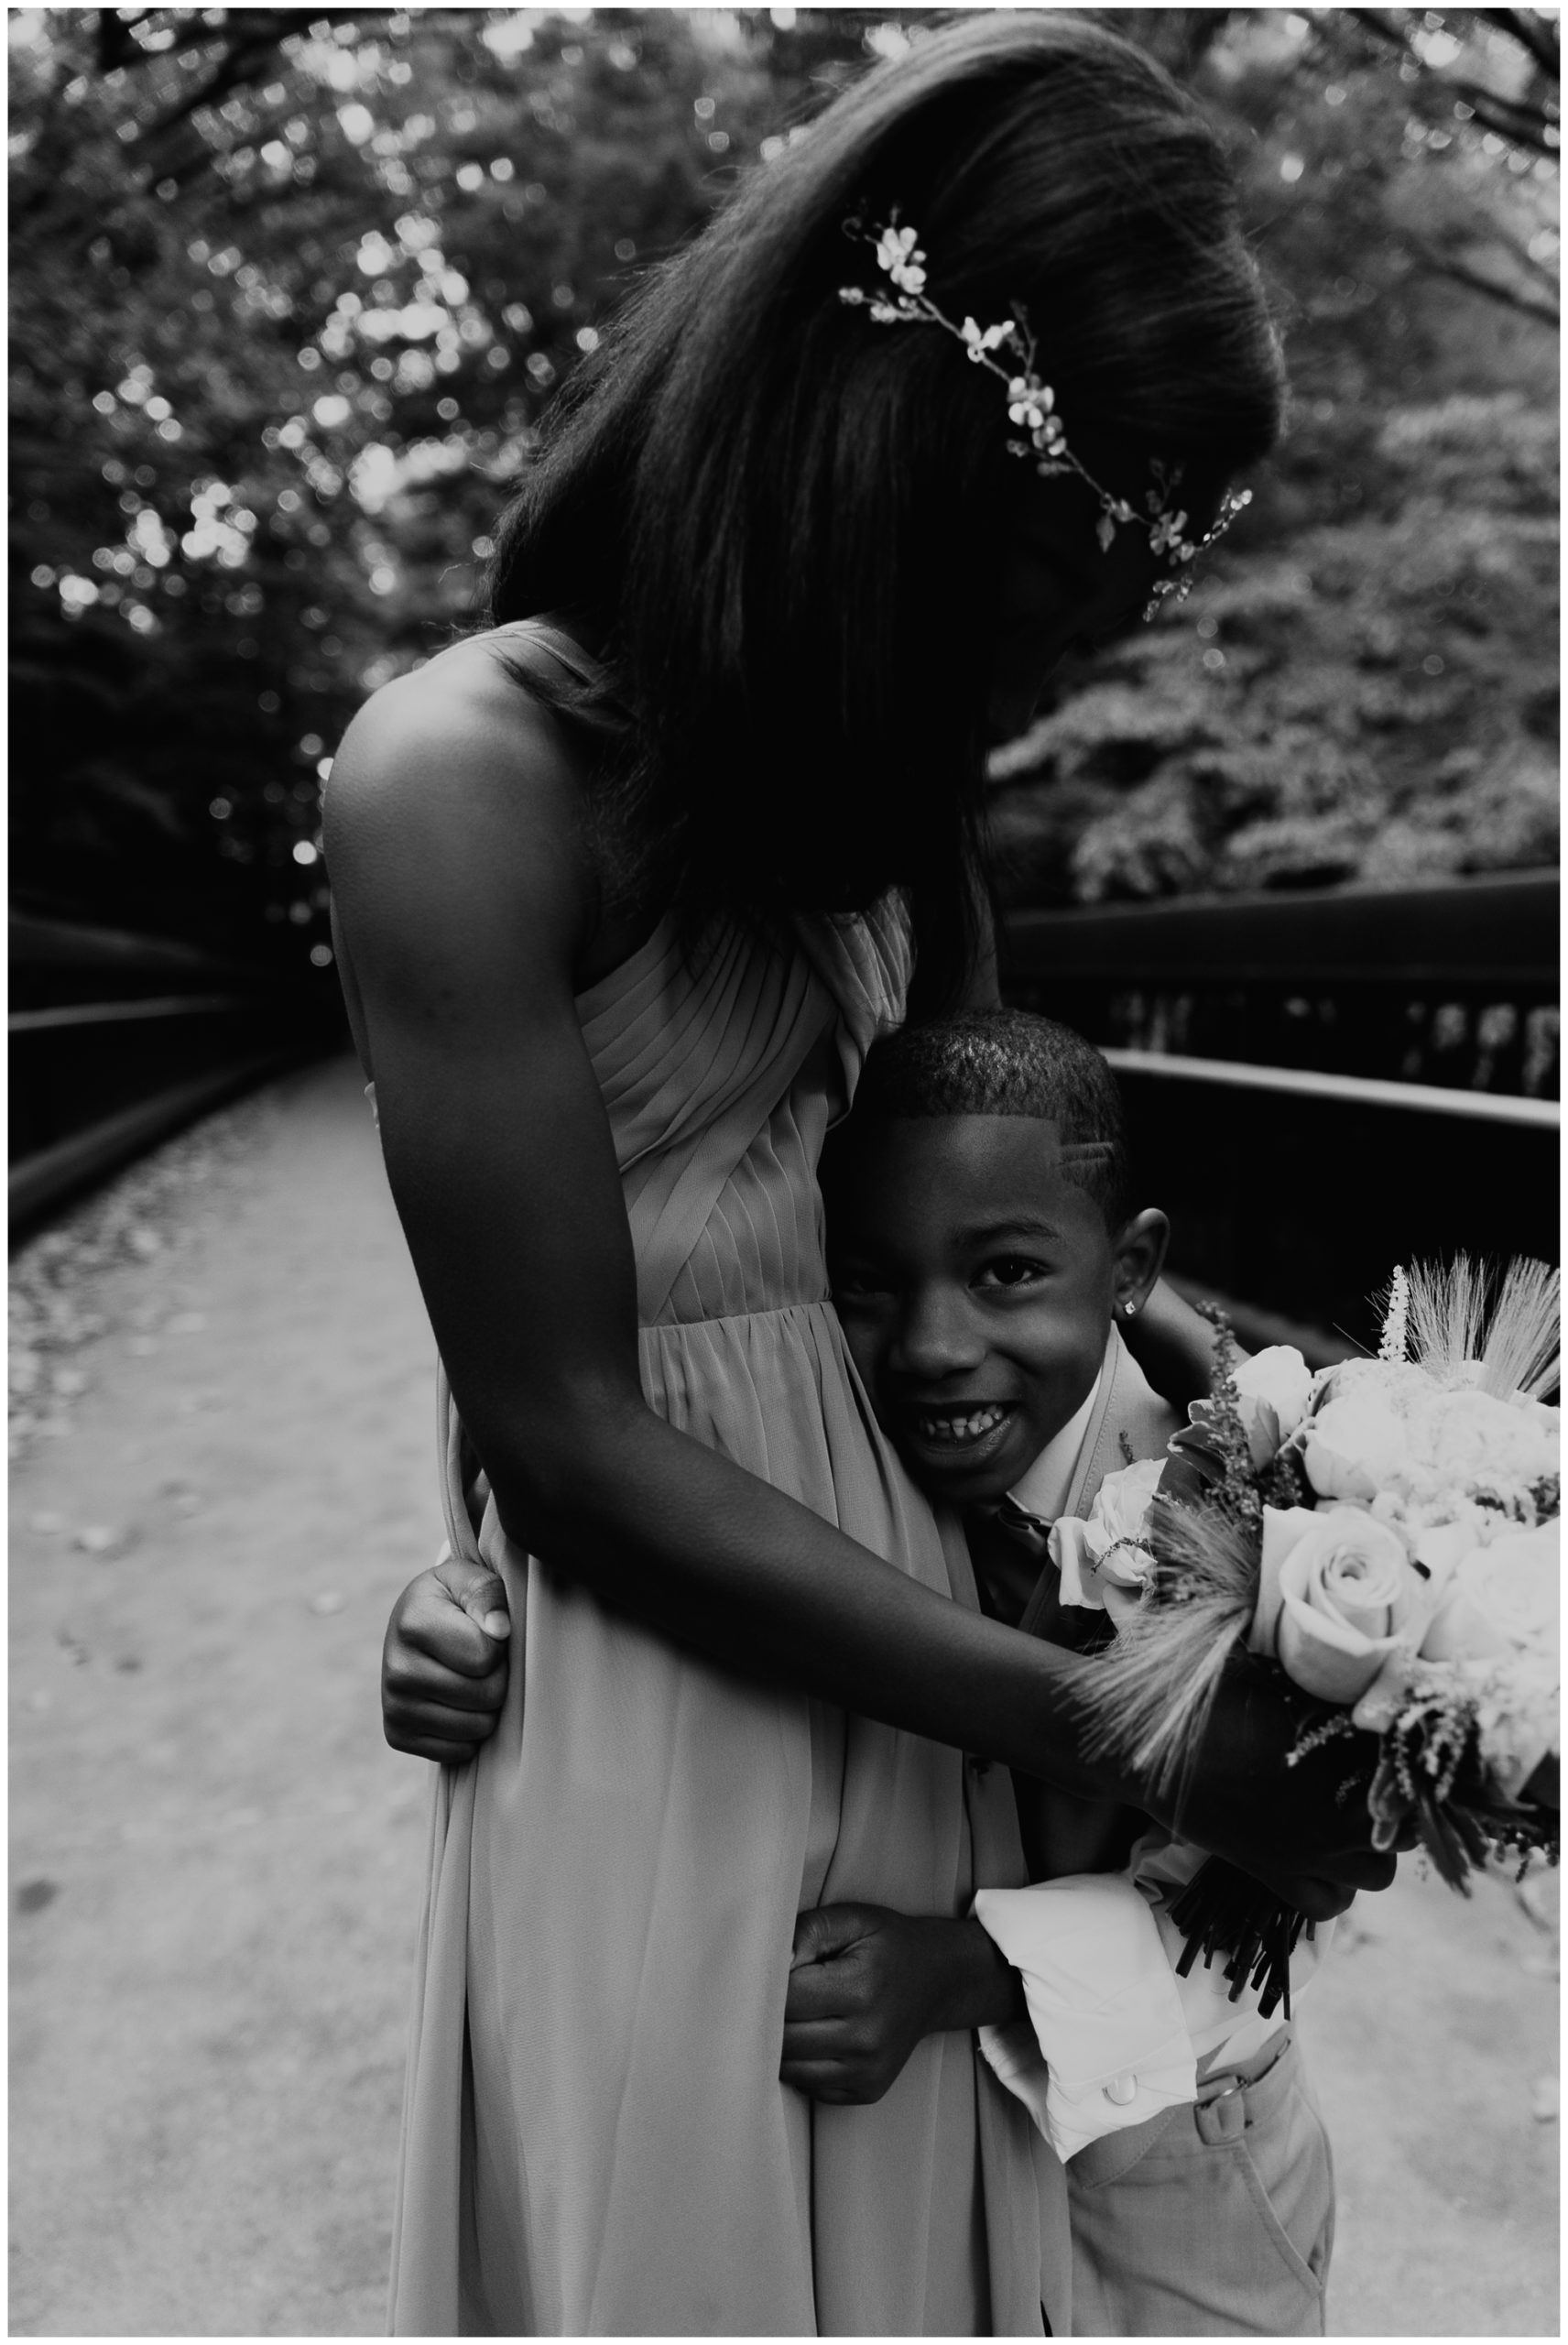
(1385, 1534)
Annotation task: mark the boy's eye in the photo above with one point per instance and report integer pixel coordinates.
(1011, 1271)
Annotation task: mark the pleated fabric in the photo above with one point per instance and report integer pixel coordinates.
(595, 2139)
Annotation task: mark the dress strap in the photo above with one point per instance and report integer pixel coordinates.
(547, 649)
(554, 641)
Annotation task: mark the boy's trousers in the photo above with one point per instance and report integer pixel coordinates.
(1212, 2220)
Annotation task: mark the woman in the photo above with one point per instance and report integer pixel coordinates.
(625, 892)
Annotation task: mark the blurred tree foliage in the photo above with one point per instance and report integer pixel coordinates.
(1363, 684)
(289, 292)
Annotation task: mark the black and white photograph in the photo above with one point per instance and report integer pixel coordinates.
(784, 1171)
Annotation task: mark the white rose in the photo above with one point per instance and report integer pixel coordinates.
(1354, 1445)
(1514, 1585)
(1337, 1597)
(1282, 1527)
(1516, 1717)
(1103, 1561)
(1275, 1388)
(1473, 1438)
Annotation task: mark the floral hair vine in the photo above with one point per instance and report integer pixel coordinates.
(1031, 406)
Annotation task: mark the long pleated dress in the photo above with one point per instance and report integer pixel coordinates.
(595, 2139)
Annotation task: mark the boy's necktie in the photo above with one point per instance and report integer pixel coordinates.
(1031, 1531)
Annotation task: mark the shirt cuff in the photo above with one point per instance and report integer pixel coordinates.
(1106, 2045)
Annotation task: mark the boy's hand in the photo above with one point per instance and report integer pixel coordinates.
(865, 1985)
(443, 1666)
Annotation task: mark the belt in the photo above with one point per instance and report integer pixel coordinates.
(1220, 2105)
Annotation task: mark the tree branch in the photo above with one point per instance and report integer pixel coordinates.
(1481, 101)
(1373, 21)
(1538, 37)
(1460, 273)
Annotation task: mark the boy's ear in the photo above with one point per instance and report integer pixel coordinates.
(1138, 1257)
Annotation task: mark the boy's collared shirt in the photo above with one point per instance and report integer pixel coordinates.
(1041, 1488)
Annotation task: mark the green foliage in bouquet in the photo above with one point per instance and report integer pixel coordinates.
(1431, 1786)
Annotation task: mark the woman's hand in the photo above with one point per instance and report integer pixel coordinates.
(1303, 1829)
(444, 1664)
(865, 1985)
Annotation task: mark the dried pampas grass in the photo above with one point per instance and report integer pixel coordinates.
(1456, 1320)
(1146, 1698)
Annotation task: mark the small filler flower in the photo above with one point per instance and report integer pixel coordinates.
(1031, 406)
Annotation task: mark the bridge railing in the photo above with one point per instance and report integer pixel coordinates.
(1318, 1087)
(117, 1039)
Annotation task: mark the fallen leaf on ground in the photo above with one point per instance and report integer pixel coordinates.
(104, 1540)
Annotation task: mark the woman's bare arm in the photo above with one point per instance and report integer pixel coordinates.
(464, 901)
(1173, 1345)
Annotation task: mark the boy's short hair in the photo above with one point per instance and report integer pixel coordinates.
(1009, 1062)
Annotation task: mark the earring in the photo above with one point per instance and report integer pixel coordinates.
(1128, 1310)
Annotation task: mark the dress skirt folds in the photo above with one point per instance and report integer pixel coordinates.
(595, 2139)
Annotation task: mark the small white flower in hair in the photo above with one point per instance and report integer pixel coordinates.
(979, 339)
(1165, 537)
(897, 251)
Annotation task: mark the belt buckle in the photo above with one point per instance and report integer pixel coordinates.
(1222, 2117)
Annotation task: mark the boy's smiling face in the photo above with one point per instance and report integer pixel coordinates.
(976, 1286)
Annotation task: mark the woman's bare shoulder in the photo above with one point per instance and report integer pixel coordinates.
(458, 725)
(456, 751)
(455, 790)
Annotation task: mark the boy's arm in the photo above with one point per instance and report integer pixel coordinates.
(865, 1985)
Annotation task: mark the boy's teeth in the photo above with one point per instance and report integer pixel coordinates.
(966, 1428)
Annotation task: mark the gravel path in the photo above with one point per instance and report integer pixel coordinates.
(223, 1473)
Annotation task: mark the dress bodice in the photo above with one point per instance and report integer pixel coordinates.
(721, 1065)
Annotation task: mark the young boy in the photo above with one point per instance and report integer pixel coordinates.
(983, 1248)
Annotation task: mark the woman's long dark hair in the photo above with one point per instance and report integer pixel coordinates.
(783, 523)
